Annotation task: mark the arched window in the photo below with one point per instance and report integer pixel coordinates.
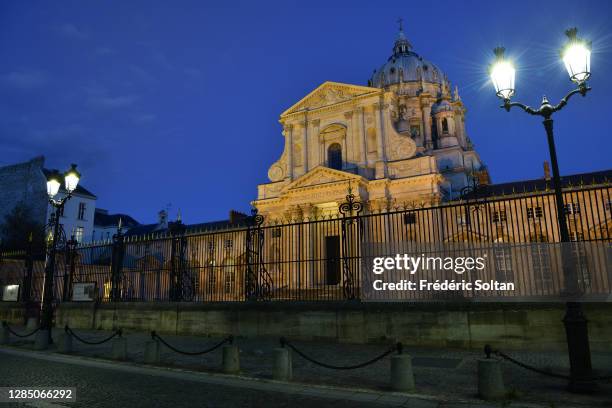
(444, 125)
(334, 156)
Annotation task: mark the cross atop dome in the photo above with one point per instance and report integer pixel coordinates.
(402, 45)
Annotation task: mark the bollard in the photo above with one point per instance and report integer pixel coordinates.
(31, 324)
(402, 377)
(283, 370)
(119, 351)
(5, 336)
(41, 340)
(152, 353)
(490, 382)
(231, 359)
(64, 344)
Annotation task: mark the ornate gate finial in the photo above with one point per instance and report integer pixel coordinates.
(350, 210)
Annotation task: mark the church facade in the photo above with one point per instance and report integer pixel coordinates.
(400, 139)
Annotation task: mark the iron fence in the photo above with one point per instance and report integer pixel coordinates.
(321, 257)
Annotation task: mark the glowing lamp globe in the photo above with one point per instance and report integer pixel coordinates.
(71, 178)
(502, 75)
(576, 56)
(53, 184)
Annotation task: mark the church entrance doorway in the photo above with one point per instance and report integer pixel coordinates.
(332, 256)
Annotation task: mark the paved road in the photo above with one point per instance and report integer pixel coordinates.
(108, 387)
(105, 383)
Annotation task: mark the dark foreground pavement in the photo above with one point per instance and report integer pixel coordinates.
(107, 387)
(444, 378)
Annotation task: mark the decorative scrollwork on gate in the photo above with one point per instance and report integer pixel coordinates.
(350, 211)
(258, 285)
(475, 197)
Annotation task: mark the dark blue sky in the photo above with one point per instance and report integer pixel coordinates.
(178, 102)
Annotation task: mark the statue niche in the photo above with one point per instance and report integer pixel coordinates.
(401, 121)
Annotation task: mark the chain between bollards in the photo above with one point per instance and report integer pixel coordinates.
(229, 339)
(14, 333)
(396, 347)
(70, 332)
(489, 350)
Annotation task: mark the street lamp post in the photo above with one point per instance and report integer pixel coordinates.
(71, 180)
(576, 56)
(71, 245)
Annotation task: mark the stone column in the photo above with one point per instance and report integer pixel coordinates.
(288, 131)
(293, 215)
(380, 127)
(304, 124)
(351, 155)
(315, 144)
(426, 109)
(380, 169)
(308, 213)
(359, 120)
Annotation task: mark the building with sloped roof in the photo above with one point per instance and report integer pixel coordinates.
(106, 225)
(27, 183)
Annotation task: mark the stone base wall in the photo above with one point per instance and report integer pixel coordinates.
(13, 313)
(439, 325)
(455, 325)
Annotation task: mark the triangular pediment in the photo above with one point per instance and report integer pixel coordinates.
(323, 175)
(329, 93)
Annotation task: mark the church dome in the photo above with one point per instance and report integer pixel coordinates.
(405, 65)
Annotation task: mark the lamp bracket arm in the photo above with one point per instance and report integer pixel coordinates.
(61, 201)
(582, 89)
(507, 105)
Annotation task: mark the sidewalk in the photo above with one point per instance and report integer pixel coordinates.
(447, 376)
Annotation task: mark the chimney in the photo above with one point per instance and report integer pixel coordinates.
(236, 216)
(546, 170)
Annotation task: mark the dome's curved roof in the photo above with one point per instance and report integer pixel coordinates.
(405, 65)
